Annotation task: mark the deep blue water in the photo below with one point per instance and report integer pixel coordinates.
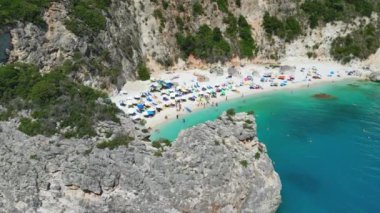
(5, 40)
(327, 152)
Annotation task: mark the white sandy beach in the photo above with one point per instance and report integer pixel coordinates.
(303, 75)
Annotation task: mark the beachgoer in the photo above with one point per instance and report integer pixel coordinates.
(177, 116)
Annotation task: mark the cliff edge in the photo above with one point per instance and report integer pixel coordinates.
(217, 166)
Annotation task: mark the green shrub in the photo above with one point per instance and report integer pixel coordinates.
(222, 5)
(22, 10)
(288, 30)
(143, 71)
(324, 11)
(161, 143)
(231, 112)
(257, 155)
(246, 44)
(33, 128)
(52, 99)
(6, 115)
(180, 23)
(206, 44)
(248, 121)
(158, 153)
(120, 140)
(86, 17)
(244, 163)
(165, 4)
(33, 157)
(358, 44)
(197, 9)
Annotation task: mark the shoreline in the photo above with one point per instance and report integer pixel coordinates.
(304, 73)
(155, 122)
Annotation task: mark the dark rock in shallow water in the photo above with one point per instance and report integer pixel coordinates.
(323, 96)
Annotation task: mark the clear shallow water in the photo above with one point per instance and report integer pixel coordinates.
(327, 152)
(5, 40)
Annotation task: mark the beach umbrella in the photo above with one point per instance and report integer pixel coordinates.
(151, 112)
(137, 97)
(140, 106)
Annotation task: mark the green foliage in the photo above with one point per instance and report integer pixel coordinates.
(158, 15)
(250, 112)
(197, 9)
(143, 71)
(246, 43)
(120, 140)
(292, 28)
(181, 8)
(33, 157)
(22, 10)
(222, 5)
(232, 28)
(158, 153)
(165, 4)
(160, 144)
(324, 11)
(231, 112)
(206, 44)
(257, 155)
(238, 3)
(272, 24)
(288, 30)
(358, 44)
(180, 23)
(244, 163)
(6, 115)
(55, 102)
(86, 16)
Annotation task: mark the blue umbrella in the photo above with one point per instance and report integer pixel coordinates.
(140, 106)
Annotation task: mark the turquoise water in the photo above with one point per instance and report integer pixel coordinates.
(5, 40)
(327, 152)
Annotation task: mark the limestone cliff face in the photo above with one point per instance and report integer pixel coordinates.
(116, 47)
(214, 167)
(145, 30)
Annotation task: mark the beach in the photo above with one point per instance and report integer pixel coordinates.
(237, 82)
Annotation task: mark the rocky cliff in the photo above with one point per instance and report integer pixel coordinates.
(145, 30)
(214, 167)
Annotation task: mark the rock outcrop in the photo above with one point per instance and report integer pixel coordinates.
(214, 167)
(115, 48)
(375, 76)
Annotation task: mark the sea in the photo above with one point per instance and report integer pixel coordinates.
(326, 150)
(5, 40)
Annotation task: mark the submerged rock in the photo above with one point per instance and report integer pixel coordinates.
(323, 96)
(214, 167)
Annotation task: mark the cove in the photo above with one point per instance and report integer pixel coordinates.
(326, 151)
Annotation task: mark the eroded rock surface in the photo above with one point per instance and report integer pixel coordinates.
(214, 167)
